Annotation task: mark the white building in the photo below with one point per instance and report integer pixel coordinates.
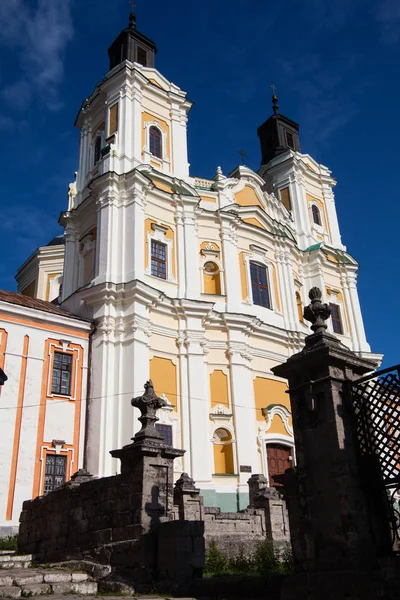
(196, 283)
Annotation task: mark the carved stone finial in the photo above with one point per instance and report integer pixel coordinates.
(148, 404)
(186, 484)
(317, 312)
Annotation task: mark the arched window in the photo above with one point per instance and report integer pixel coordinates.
(316, 215)
(223, 452)
(299, 307)
(155, 142)
(97, 150)
(212, 281)
(259, 285)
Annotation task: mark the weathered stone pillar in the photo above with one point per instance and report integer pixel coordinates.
(332, 530)
(188, 500)
(270, 499)
(150, 463)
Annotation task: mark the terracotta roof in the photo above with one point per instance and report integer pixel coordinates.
(42, 305)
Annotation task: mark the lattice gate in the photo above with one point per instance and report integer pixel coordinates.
(375, 403)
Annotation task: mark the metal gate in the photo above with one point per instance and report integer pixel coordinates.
(375, 403)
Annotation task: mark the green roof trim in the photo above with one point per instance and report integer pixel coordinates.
(313, 247)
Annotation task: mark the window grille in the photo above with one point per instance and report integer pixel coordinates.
(166, 432)
(158, 259)
(155, 142)
(62, 370)
(55, 472)
(336, 318)
(259, 285)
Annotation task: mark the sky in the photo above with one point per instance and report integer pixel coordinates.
(336, 68)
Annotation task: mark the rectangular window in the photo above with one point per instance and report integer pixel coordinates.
(166, 432)
(62, 369)
(142, 56)
(290, 140)
(56, 467)
(336, 319)
(285, 198)
(158, 259)
(113, 120)
(259, 285)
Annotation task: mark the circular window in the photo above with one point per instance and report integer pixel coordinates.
(210, 267)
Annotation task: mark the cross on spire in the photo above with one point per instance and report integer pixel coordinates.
(275, 106)
(243, 155)
(273, 88)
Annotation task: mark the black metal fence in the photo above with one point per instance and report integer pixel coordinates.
(376, 409)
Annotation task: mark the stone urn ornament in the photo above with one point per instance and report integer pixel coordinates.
(317, 312)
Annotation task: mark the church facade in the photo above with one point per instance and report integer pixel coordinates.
(196, 283)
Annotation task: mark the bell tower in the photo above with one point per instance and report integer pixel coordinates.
(278, 134)
(133, 46)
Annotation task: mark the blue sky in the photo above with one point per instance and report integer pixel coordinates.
(336, 67)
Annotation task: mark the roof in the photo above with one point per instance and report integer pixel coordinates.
(42, 305)
(59, 240)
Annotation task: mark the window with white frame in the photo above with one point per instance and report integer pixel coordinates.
(159, 257)
(155, 141)
(259, 285)
(316, 215)
(155, 148)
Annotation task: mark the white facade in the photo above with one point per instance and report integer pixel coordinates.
(205, 341)
(35, 421)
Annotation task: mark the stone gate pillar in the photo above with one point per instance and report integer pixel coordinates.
(332, 530)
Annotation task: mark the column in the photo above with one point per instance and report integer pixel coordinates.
(185, 406)
(230, 254)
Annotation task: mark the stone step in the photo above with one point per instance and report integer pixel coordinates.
(15, 561)
(10, 591)
(35, 589)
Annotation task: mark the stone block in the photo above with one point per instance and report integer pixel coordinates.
(5, 579)
(62, 588)
(56, 576)
(79, 577)
(36, 589)
(84, 587)
(10, 591)
(25, 578)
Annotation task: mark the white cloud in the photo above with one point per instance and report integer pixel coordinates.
(388, 15)
(41, 35)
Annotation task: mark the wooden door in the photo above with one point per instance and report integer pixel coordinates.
(279, 459)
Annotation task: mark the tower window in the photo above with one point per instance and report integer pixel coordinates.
(316, 215)
(55, 472)
(62, 369)
(289, 140)
(142, 56)
(166, 432)
(158, 259)
(336, 318)
(259, 285)
(155, 142)
(97, 150)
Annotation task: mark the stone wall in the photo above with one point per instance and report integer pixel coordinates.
(79, 519)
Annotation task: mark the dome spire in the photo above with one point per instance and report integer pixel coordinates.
(275, 105)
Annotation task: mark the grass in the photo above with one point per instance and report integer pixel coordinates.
(265, 560)
(9, 543)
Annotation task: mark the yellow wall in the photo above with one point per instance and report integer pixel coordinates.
(146, 118)
(299, 307)
(30, 290)
(247, 197)
(219, 388)
(276, 287)
(163, 376)
(212, 283)
(49, 278)
(253, 221)
(163, 186)
(223, 456)
(169, 236)
(243, 275)
(113, 119)
(285, 198)
(208, 198)
(269, 391)
(277, 426)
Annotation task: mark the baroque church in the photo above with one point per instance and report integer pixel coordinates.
(195, 283)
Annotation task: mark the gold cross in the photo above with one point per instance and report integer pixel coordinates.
(273, 89)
